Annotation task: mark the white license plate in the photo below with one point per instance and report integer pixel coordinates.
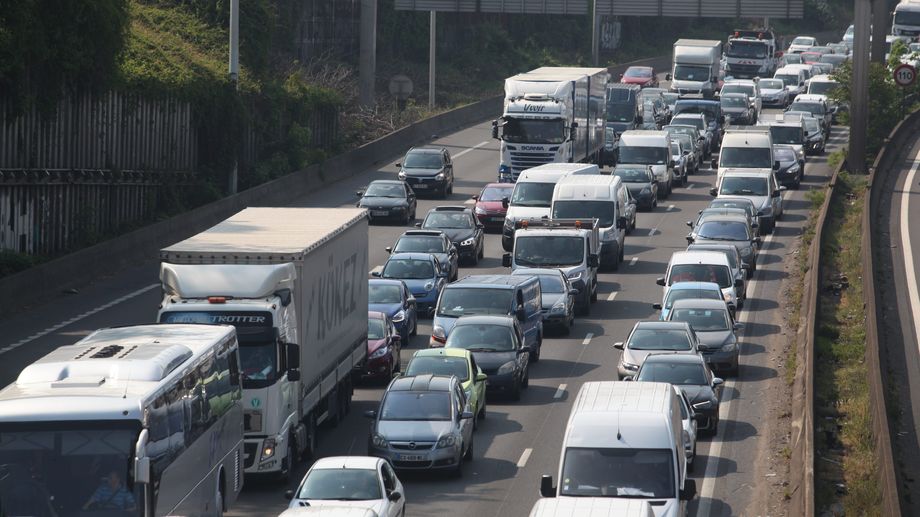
(420, 186)
(411, 457)
(379, 213)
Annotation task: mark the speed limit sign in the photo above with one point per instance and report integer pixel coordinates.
(905, 75)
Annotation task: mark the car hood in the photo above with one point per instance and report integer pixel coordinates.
(373, 201)
(698, 393)
(417, 285)
(491, 206)
(414, 430)
(785, 165)
(422, 172)
(390, 309)
(492, 360)
(638, 357)
(376, 505)
(713, 340)
(619, 127)
(527, 212)
(550, 299)
(456, 235)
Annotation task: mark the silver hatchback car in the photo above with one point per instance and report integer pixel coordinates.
(424, 422)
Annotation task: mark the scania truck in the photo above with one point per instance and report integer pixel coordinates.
(293, 281)
(551, 114)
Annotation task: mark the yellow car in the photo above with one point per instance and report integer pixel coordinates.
(458, 362)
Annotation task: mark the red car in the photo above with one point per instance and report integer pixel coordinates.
(489, 209)
(644, 76)
(383, 346)
(810, 57)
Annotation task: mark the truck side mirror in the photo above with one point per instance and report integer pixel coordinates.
(621, 223)
(495, 129)
(548, 487)
(593, 261)
(639, 119)
(667, 77)
(141, 461)
(506, 260)
(776, 165)
(292, 351)
(775, 193)
(660, 281)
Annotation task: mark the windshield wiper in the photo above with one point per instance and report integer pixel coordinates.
(483, 349)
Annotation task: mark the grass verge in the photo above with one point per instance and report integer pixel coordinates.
(846, 470)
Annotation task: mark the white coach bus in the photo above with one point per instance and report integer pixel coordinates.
(138, 421)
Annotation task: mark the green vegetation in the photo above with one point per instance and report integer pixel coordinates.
(846, 468)
(12, 262)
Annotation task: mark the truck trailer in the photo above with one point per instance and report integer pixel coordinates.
(293, 281)
(550, 115)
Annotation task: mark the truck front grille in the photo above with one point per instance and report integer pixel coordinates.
(252, 421)
(742, 69)
(521, 160)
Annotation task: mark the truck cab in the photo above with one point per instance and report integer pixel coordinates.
(750, 54)
(905, 20)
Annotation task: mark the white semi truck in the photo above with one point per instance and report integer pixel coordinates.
(293, 281)
(905, 20)
(550, 115)
(696, 67)
(750, 54)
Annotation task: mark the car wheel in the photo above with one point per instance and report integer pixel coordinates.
(475, 260)
(516, 391)
(482, 409)
(458, 471)
(482, 251)
(535, 357)
(469, 451)
(567, 326)
(526, 382)
(414, 331)
(715, 426)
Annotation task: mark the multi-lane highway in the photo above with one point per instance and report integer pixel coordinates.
(738, 472)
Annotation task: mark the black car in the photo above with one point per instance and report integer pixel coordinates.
(497, 344)
(790, 172)
(428, 170)
(461, 227)
(641, 184)
(433, 242)
(388, 199)
(690, 373)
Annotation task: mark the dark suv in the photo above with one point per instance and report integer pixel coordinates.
(428, 170)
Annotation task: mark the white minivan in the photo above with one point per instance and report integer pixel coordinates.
(652, 148)
(746, 149)
(625, 440)
(604, 198)
(533, 194)
(703, 266)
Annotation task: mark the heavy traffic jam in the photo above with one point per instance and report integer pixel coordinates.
(261, 335)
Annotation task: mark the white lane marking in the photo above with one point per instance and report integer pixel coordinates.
(652, 231)
(908, 248)
(670, 207)
(632, 261)
(377, 269)
(715, 446)
(55, 328)
(689, 186)
(587, 339)
(612, 296)
(524, 457)
(477, 146)
(560, 391)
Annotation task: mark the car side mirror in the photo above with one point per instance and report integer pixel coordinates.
(370, 413)
(656, 306)
(713, 163)
(359, 193)
(686, 153)
(671, 163)
(738, 326)
(618, 345)
(758, 241)
(547, 486)
(375, 274)
(289, 494)
(621, 76)
(574, 292)
(481, 377)
(593, 261)
(660, 281)
(506, 260)
(466, 415)
(505, 202)
(775, 193)
(397, 375)
(398, 164)
(755, 225)
(667, 77)
(713, 192)
(739, 283)
(621, 223)
(689, 491)
(389, 249)
(639, 119)
(690, 223)
(495, 129)
(629, 378)
(418, 225)
(690, 239)
(394, 496)
(411, 300)
(717, 382)
(776, 165)
(721, 119)
(782, 188)
(475, 198)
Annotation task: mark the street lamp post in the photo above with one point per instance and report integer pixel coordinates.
(234, 67)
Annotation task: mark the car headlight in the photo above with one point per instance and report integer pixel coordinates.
(401, 175)
(379, 441)
(727, 297)
(399, 316)
(558, 307)
(429, 286)
(447, 441)
(706, 404)
(439, 176)
(438, 334)
(467, 242)
(794, 168)
(509, 223)
(380, 352)
(730, 347)
(479, 210)
(268, 448)
(506, 368)
(575, 275)
(631, 367)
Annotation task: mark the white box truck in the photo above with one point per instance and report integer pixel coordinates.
(293, 281)
(551, 114)
(696, 67)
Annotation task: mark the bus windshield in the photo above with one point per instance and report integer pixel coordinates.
(69, 469)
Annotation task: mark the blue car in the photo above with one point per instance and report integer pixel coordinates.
(685, 290)
(393, 298)
(421, 272)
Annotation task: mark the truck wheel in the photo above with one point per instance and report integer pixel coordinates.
(312, 440)
(536, 356)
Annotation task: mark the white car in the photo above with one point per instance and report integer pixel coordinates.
(802, 44)
(773, 93)
(360, 482)
(688, 417)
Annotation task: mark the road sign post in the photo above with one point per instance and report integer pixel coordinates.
(904, 76)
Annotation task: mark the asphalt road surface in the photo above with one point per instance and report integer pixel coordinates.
(517, 442)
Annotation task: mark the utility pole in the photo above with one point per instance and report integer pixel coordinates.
(595, 37)
(234, 78)
(859, 87)
(432, 40)
(879, 30)
(368, 53)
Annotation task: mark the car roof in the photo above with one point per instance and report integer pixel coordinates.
(661, 325)
(427, 149)
(386, 281)
(427, 382)
(744, 173)
(698, 257)
(430, 233)
(451, 208)
(443, 352)
(347, 462)
(376, 315)
(387, 182)
(745, 82)
(501, 321)
(490, 281)
(733, 94)
(699, 303)
(412, 256)
(696, 286)
(674, 358)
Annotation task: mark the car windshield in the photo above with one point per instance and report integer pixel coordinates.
(822, 88)
(409, 269)
(788, 79)
(638, 71)
(702, 320)
(786, 134)
(733, 203)
(771, 84)
(621, 111)
(416, 405)
(449, 220)
(551, 284)
(712, 111)
(341, 485)
(420, 244)
(733, 102)
(385, 190)
(784, 155)
(690, 131)
(532, 131)
(731, 255)
(738, 88)
(549, 251)
(495, 193)
(691, 73)
(911, 18)
(459, 301)
(803, 41)
(439, 365)
(670, 98)
(423, 160)
(644, 155)
(723, 231)
(679, 373)
(746, 49)
(686, 294)
(696, 122)
(812, 125)
(792, 59)
(815, 108)
(743, 186)
(632, 175)
(833, 59)
(481, 338)
(701, 273)
(603, 211)
(376, 329)
(384, 294)
(619, 472)
(745, 157)
(533, 194)
(659, 339)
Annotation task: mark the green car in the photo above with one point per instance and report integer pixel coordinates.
(458, 362)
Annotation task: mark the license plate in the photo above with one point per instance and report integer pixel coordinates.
(379, 213)
(411, 457)
(420, 186)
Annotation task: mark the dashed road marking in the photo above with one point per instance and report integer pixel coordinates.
(524, 457)
(689, 186)
(587, 339)
(652, 231)
(632, 261)
(59, 326)
(612, 296)
(477, 146)
(670, 207)
(560, 391)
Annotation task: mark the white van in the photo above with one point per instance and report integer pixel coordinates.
(653, 148)
(793, 78)
(746, 149)
(703, 266)
(604, 198)
(625, 439)
(533, 194)
(591, 507)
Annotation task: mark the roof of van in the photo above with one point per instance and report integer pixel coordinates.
(605, 180)
(698, 257)
(643, 135)
(823, 78)
(747, 173)
(746, 138)
(492, 281)
(787, 70)
(591, 507)
(621, 414)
